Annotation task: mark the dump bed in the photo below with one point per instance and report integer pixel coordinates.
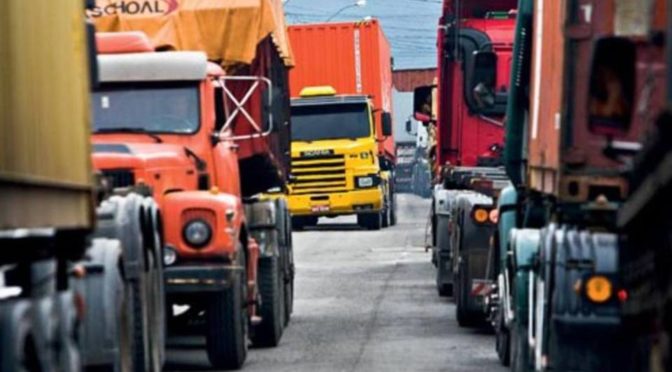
(565, 157)
(248, 38)
(45, 170)
(353, 57)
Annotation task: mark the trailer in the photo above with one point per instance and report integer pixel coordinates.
(574, 119)
(71, 250)
(464, 113)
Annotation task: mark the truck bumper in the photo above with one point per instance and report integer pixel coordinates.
(336, 204)
(199, 278)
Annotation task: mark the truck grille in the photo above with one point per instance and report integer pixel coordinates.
(318, 174)
(118, 178)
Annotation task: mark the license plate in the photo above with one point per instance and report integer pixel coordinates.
(320, 208)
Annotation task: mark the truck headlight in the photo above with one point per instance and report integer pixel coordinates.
(197, 233)
(363, 182)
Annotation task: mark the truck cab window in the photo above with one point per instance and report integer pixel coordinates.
(157, 109)
(325, 122)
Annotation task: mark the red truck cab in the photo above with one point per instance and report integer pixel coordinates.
(464, 112)
(468, 103)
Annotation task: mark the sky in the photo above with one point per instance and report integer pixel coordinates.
(410, 25)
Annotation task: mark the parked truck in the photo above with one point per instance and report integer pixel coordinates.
(197, 114)
(464, 113)
(74, 252)
(421, 168)
(403, 175)
(577, 288)
(343, 151)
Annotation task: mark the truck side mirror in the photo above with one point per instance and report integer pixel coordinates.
(612, 86)
(387, 124)
(484, 78)
(409, 126)
(422, 103)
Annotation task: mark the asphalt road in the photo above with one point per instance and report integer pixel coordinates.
(365, 301)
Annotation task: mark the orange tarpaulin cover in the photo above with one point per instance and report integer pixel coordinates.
(227, 30)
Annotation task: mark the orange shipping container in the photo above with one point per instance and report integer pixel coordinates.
(566, 159)
(352, 57)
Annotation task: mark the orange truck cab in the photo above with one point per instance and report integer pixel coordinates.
(205, 143)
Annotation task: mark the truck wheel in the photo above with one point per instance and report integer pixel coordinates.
(227, 323)
(157, 318)
(502, 339)
(371, 221)
(444, 268)
(271, 289)
(464, 317)
(444, 289)
(385, 217)
(18, 351)
(301, 222)
(298, 223)
(121, 218)
(519, 349)
(288, 278)
(393, 209)
(289, 293)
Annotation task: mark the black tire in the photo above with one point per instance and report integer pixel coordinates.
(464, 317)
(385, 217)
(18, 350)
(271, 289)
(519, 349)
(157, 314)
(227, 323)
(125, 224)
(288, 277)
(137, 289)
(443, 289)
(370, 221)
(298, 224)
(444, 273)
(393, 209)
(289, 295)
(311, 221)
(502, 340)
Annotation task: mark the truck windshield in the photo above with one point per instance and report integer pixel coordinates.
(155, 108)
(324, 122)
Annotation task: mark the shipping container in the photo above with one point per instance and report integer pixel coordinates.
(566, 158)
(45, 170)
(352, 57)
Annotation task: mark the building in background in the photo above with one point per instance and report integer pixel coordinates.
(404, 82)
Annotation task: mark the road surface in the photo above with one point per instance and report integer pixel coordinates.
(365, 301)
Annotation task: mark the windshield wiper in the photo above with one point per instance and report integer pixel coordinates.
(129, 130)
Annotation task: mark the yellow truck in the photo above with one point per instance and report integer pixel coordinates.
(343, 150)
(336, 168)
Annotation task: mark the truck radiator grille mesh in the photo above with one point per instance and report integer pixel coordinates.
(318, 174)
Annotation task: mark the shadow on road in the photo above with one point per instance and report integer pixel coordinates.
(333, 227)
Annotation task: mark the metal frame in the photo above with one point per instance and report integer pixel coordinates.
(240, 106)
